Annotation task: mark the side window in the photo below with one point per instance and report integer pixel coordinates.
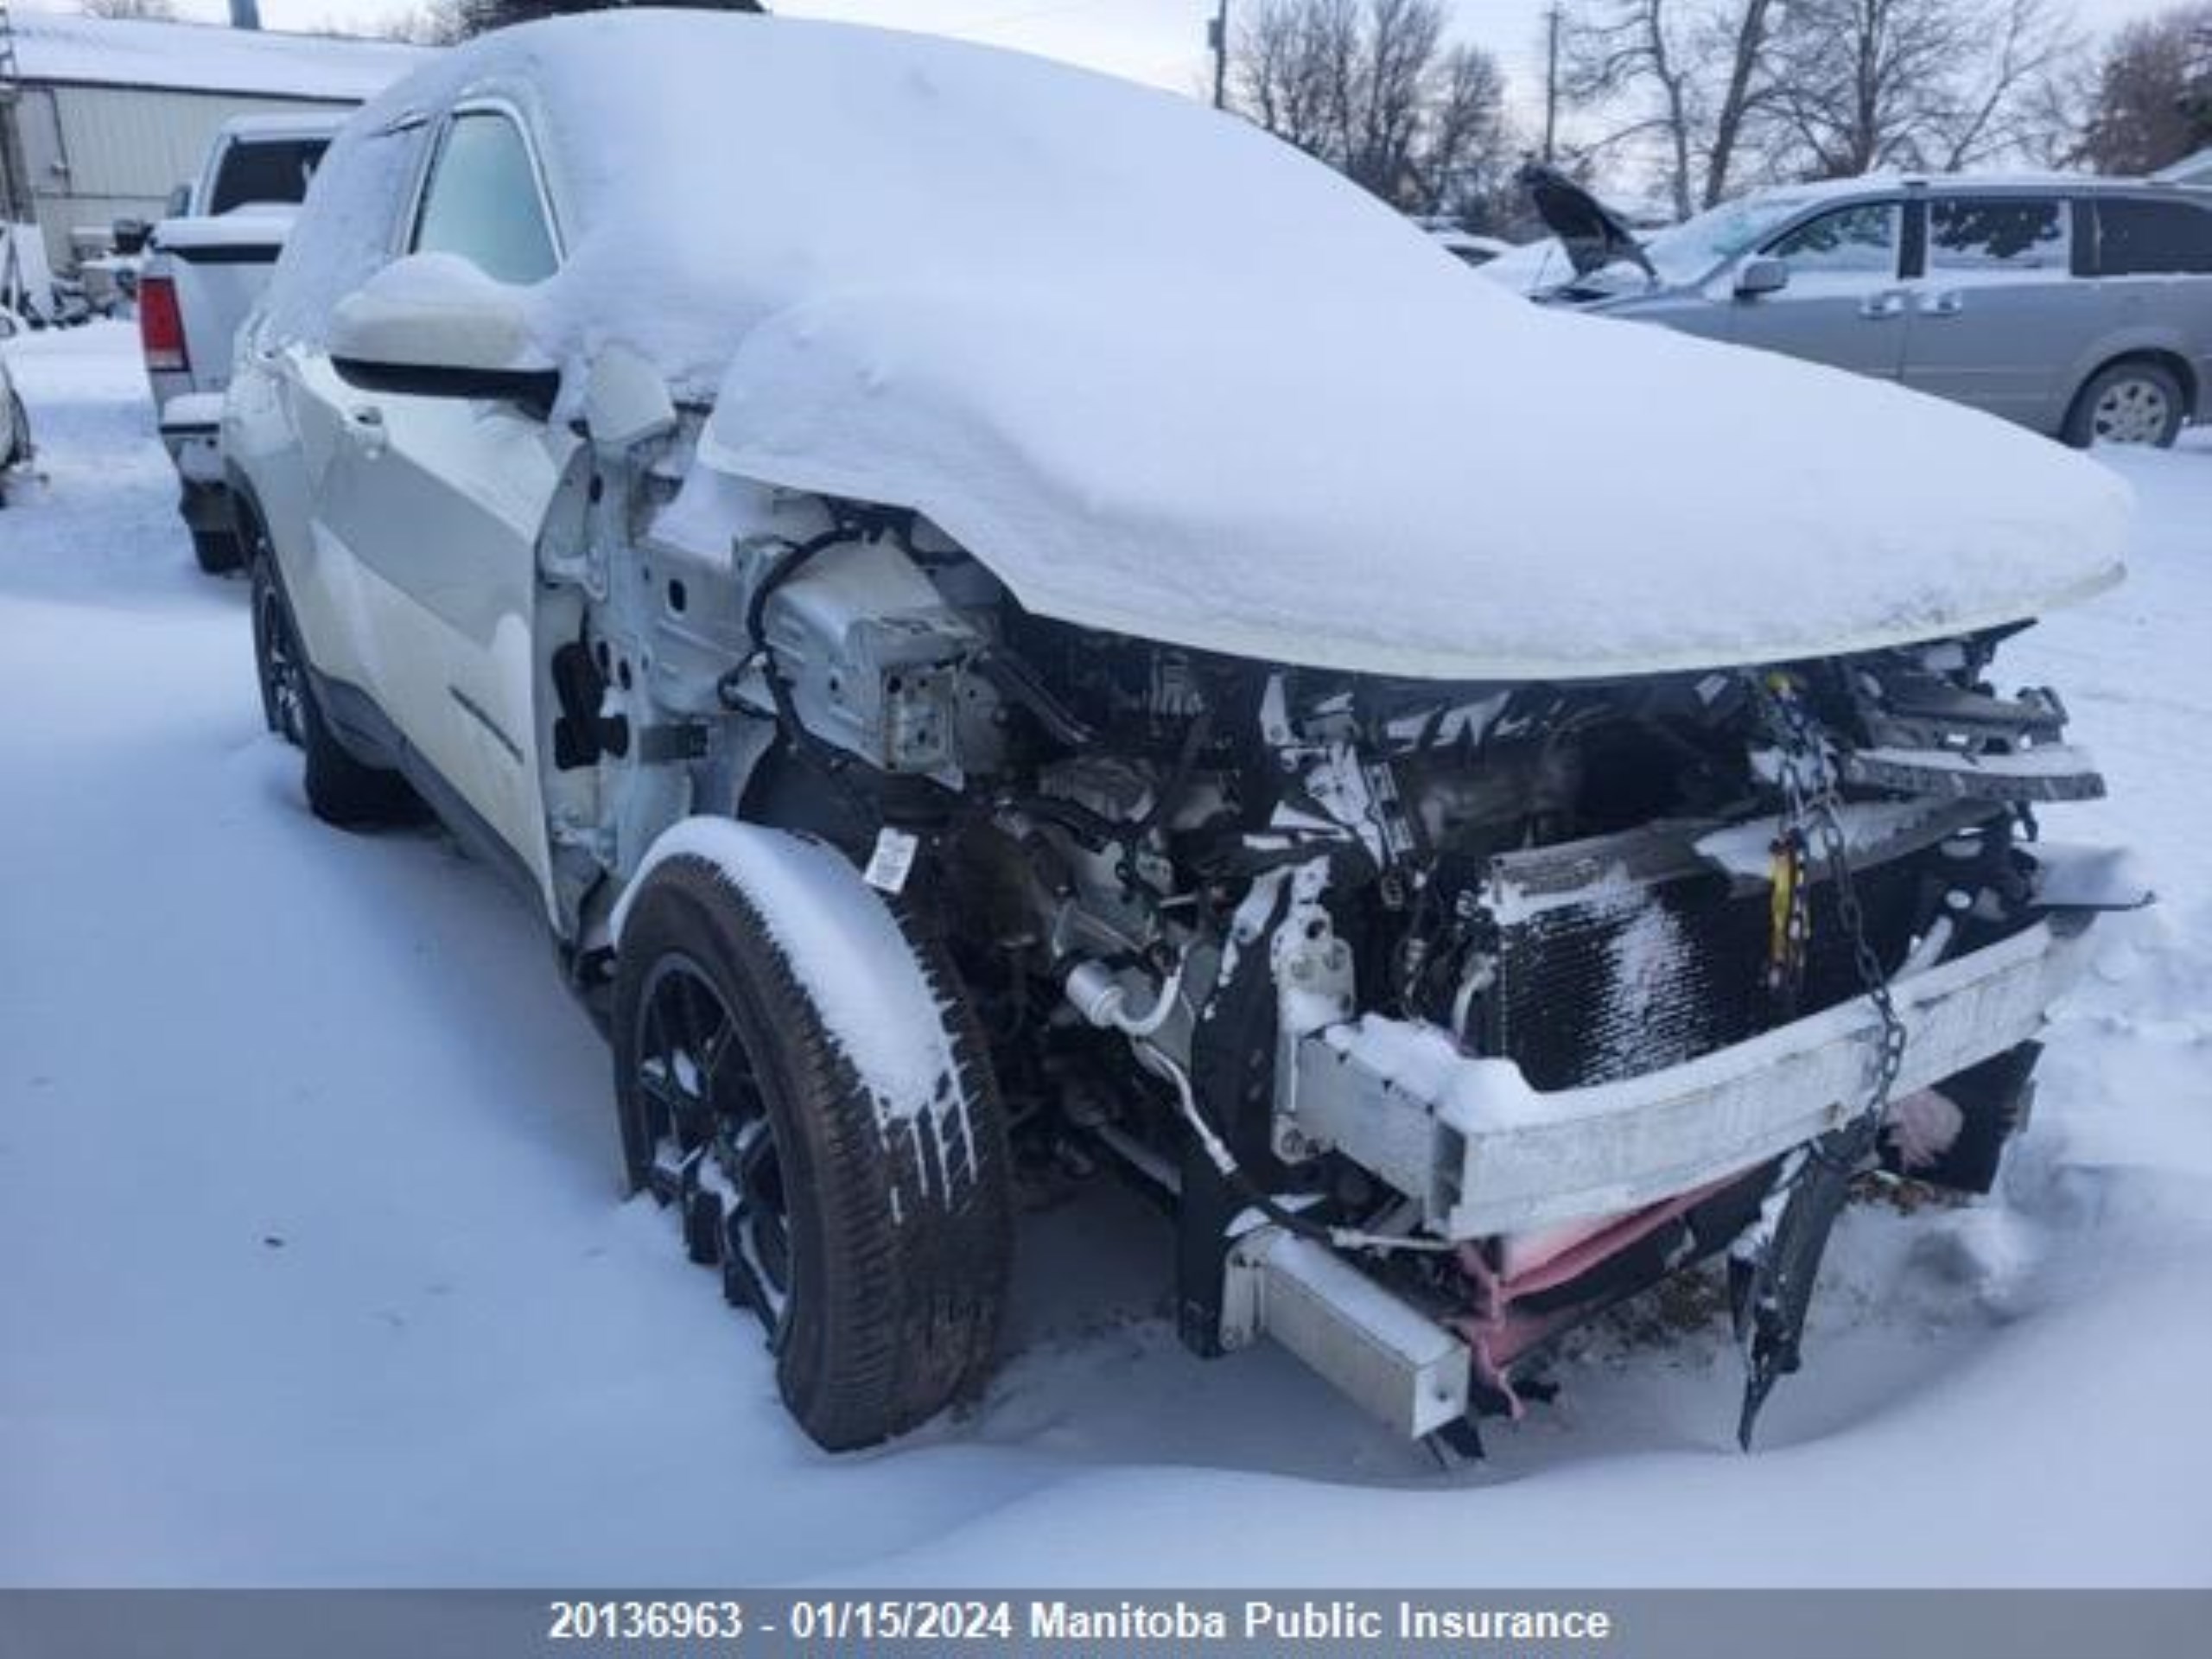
(1861, 238)
(2006, 233)
(482, 203)
(2135, 237)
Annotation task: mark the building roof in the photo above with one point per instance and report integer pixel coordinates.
(68, 48)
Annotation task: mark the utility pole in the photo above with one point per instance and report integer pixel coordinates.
(1551, 80)
(1217, 38)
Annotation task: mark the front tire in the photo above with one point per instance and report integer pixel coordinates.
(874, 1248)
(2134, 402)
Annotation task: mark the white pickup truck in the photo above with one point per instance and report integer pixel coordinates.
(206, 265)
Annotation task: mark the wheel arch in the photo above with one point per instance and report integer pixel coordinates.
(2161, 354)
(895, 1121)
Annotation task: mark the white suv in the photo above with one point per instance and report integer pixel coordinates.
(1005, 620)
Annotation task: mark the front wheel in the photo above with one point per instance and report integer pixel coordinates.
(864, 1221)
(2137, 402)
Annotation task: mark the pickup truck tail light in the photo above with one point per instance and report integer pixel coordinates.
(161, 326)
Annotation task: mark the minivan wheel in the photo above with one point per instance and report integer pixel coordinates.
(2134, 402)
(340, 791)
(875, 1251)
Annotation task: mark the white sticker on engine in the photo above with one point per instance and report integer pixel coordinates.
(893, 861)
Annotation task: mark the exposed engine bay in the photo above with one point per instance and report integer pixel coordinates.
(1439, 1016)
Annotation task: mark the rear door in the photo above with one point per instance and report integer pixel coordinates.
(1844, 304)
(2153, 266)
(440, 501)
(1997, 316)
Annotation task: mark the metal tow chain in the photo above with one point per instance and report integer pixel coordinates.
(1817, 807)
(1774, 1288)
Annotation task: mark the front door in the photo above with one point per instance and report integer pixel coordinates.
(439, 501)
(1844, 304)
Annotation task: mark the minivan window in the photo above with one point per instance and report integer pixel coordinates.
(2025, 233)
(482, 201)
(1860, 238)
(264, 171)
(2140, 238)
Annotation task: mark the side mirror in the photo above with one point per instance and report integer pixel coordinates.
(433, 325)
(1760, 276)
(128, 235)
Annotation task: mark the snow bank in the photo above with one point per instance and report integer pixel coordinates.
(1167, 375)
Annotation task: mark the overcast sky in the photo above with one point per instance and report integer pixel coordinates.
(1159, 41)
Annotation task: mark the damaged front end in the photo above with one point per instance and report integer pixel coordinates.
(1439, 1016)
(1479, 1008)
(1821, 940)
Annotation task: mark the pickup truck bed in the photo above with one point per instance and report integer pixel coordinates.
(203, 273)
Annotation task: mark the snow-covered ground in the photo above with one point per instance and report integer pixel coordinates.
(313, 1267)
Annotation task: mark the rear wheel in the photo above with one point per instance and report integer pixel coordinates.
(2134, 402)
(874, 1248)
(276, 660)
(217, 552)
(340, 789)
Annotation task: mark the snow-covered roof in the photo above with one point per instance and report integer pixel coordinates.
(64, 48)
(1166, 375)
(2195, 168)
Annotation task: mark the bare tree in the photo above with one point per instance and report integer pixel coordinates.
(1739, 35)
(2152, 100)
(1633, 51)
(1371, 87)
(479, 17)
(1933, 84)
(1684, 78)
(2002, 97)
(159, 11)
(440, 22)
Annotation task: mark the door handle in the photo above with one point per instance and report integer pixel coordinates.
(1948, 303)
(365, 425)
(1875, 307)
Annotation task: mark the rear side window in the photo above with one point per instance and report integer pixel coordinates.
(2009, 233)
(1862, 238)
(263, 171)
(482, 201)
(2140, 238)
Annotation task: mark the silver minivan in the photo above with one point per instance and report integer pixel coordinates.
(2080, 307)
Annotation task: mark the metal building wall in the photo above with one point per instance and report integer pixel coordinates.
(96, 153)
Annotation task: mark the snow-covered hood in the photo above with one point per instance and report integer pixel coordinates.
(1428, 490)
(1164, 375)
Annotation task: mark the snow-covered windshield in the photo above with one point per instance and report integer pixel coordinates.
(1687, 251)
